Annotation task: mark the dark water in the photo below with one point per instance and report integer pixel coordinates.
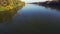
(31, 18)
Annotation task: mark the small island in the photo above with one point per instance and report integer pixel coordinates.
(6, 5)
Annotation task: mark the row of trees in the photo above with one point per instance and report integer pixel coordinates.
(52, 3)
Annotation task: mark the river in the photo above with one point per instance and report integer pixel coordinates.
(32, 18)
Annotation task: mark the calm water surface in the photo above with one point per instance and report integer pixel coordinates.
(31, 18)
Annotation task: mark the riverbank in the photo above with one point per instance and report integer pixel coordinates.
(51, 4)
(48, 3)
(6, 16)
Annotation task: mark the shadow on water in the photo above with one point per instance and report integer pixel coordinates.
(6, 16)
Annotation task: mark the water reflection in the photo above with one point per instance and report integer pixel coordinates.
(51, 7)
(6, 16)
(56, 8)
(37, 19)
(34, 19)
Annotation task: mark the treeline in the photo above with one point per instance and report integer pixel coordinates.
(51, 3)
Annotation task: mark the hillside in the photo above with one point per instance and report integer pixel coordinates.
(10, 4)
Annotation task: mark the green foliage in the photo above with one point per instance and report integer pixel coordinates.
(10, 4)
